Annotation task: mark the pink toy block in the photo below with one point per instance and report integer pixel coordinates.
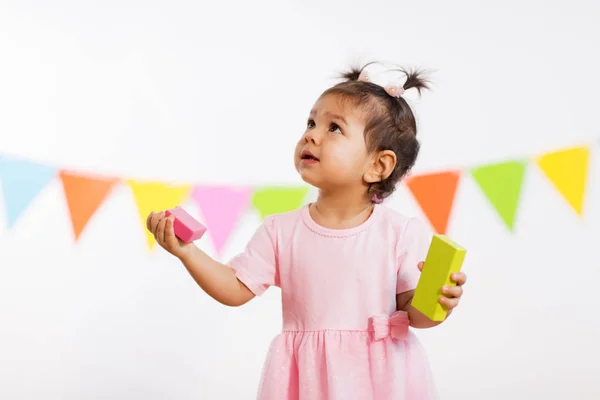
(186, 227)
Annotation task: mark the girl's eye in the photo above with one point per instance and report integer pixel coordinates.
(310, 124)
(335, 128)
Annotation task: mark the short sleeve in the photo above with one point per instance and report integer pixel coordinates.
(256, 266)
(413, 247)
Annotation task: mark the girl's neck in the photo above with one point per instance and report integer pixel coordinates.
(340, 210)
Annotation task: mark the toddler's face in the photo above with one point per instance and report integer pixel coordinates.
(332, 153)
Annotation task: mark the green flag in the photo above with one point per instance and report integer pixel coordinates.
(278, 199)
(501, 183)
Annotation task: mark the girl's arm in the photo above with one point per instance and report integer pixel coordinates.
(417, 320)
(217, 280)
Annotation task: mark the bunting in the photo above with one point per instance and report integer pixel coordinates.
(22, 180)
(274, 200)
(501, 183)
(93, 189)
(567, 170)
(153, 196)
(222, 207)
(435, 195)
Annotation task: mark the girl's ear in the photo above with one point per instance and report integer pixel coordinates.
(382, 167)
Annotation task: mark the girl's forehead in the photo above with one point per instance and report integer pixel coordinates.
(336, 104)
(339, 110)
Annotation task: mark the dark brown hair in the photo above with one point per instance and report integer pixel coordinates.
(391, 124)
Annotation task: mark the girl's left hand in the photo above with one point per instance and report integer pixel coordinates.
(451, 294)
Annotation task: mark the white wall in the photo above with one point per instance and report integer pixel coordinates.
(219, 92)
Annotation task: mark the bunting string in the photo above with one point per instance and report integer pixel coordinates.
(223, 206)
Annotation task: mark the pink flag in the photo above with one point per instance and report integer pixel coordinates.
(222, 207)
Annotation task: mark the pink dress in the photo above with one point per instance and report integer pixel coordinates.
(342, 337)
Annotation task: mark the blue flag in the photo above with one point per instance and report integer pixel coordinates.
(21, 181)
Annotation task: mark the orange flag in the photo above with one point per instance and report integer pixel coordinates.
(435, 195)
(84, 195)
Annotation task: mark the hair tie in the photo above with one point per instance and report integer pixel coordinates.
(376, 199)
(394, 91)
(391, 79)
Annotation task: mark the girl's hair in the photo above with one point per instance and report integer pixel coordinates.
(390, 123)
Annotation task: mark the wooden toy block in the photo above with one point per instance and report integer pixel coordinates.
(186, 227)
(444, 258)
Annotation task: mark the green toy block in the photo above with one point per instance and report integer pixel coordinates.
(444, 258)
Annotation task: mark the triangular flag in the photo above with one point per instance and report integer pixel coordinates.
(153, 196)
(21, 182)
(501, 183)
(278, 199)
(222, 207)
(435, 195)
(84, 195)
(567, 170)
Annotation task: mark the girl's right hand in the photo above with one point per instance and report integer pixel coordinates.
(161, 227)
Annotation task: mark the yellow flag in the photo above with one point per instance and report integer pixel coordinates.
(567, 170)
(153, 196)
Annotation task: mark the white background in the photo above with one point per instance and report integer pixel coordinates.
(211, 92)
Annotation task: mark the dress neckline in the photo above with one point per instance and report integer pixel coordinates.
(338, 233)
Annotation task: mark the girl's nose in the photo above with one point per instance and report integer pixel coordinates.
(311, 136)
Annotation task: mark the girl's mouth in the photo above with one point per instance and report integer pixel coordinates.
(308, 158)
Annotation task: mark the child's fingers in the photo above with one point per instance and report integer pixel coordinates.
(155, 221)
(169, 231)
(420, 265)
(148, 221)
(452, 291)
(448, 303)
(161, 231)
(460, 278)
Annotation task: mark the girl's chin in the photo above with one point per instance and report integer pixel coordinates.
(308, 177)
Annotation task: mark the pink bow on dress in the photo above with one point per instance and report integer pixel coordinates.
(394, 326)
